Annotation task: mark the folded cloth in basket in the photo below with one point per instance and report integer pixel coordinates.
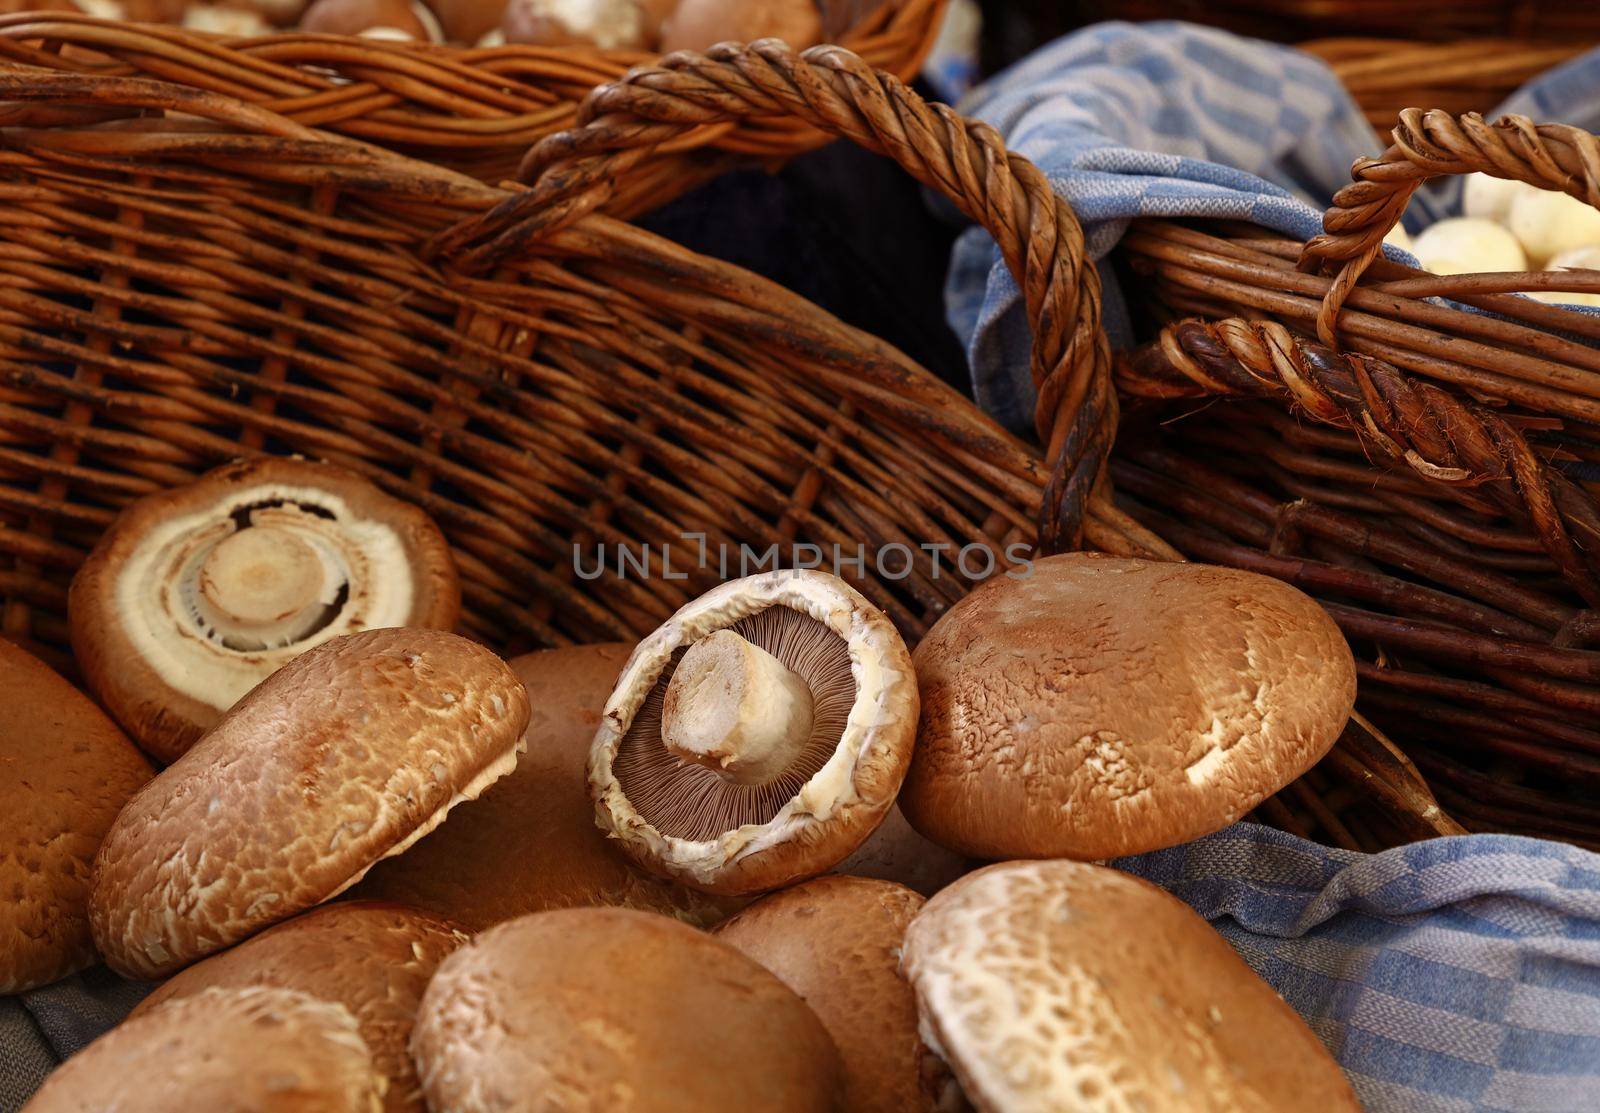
(1175, 120)
(1454, 974)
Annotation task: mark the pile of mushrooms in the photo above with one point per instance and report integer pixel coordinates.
(636, 25)
(388, 870)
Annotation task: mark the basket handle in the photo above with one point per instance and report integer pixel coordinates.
(1440, 436)
(831, 89)
(1429, 144)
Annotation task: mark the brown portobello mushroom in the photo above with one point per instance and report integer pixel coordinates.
(347, 754)
(1060, 985)
(65, 773)
(836, 942)
(373, 958)
(758, 737)
(240, 1050)
(197, 594)
(1104, 706)
(701, 24)
(530, 844)
(608, 1008)
(394, 20)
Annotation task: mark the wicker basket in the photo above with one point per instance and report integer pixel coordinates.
(535, 374)
(1440, 20)
(1473, 75)
(1465, 568)
(474, 110)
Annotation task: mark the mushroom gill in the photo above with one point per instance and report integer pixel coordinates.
(689, 800)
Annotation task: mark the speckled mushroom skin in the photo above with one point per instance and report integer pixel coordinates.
(1105, 706)
(836, 942)
(373, 958)
(163, 721)
(65, 772)
(530, 844)
(609, 1010)
(1059, 985)
(224, 1051)
(838, 808)
(343, 756)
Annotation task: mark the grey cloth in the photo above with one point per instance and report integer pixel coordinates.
(41, 1028)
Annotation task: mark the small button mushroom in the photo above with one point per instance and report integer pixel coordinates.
(197, 594)
(608, 24)
(262, 1050)
(1582, 258)
(1464, 245)
(1548, 223)
(1489, 198)
(375, 959)
(700, 24)
(758, 737)
(348, 754)
(65, 773)
(1102, 706)
(609, 1009)
(530, 843)
(397, 20)
(1059, 985)
(836, 942)
(898, 852)
(217, 19)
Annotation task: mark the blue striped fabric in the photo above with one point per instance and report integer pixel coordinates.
(1175, 120)
(1449, 976)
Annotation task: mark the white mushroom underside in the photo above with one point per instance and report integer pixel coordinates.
(829, 790)
(163, 620)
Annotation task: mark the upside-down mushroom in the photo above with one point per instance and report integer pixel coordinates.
(197, 594)
(758, 736)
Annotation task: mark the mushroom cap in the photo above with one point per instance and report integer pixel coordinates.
(242, 1050)
(1103, 706)
(347, 754)
(897, 852)
(701, 24)
(138, 632)
(608, 1008)
(468, 21)
(373, 958)
(608, 24)
(1056, 984)
(836, 942)
(67, 772)
(530, 844)
(400, 20)
(682, 820)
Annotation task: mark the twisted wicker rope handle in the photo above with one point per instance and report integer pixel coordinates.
(1427, 145)
(1436, 433)
(831, 89)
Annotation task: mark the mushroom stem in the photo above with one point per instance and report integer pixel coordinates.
(736, 709)
(262, 587)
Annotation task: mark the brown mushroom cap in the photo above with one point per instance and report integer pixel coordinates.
(197, 594)
(608, 1008)
(242, 1050)
(608, 24)
(65, 773)
(347, 754)
(702, 821)
(402, 20)
(1102, 707)
(468, 21)
(530, 844)
(897, 852)
(836, 942)
(373, 958)
(1052, 985)
(701, 24)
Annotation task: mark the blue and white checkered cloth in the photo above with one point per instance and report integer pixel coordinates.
(1176, 120)
(1448, 976)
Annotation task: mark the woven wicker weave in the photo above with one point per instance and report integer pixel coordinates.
(535, 374)
(475, 110)
(1439, 20)
(1473, 75)
(1421, 488)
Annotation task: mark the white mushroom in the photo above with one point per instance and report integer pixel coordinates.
(1489, 198)
(1548, 223)
(197, 594)
(1583, 258)
(1466, 245)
